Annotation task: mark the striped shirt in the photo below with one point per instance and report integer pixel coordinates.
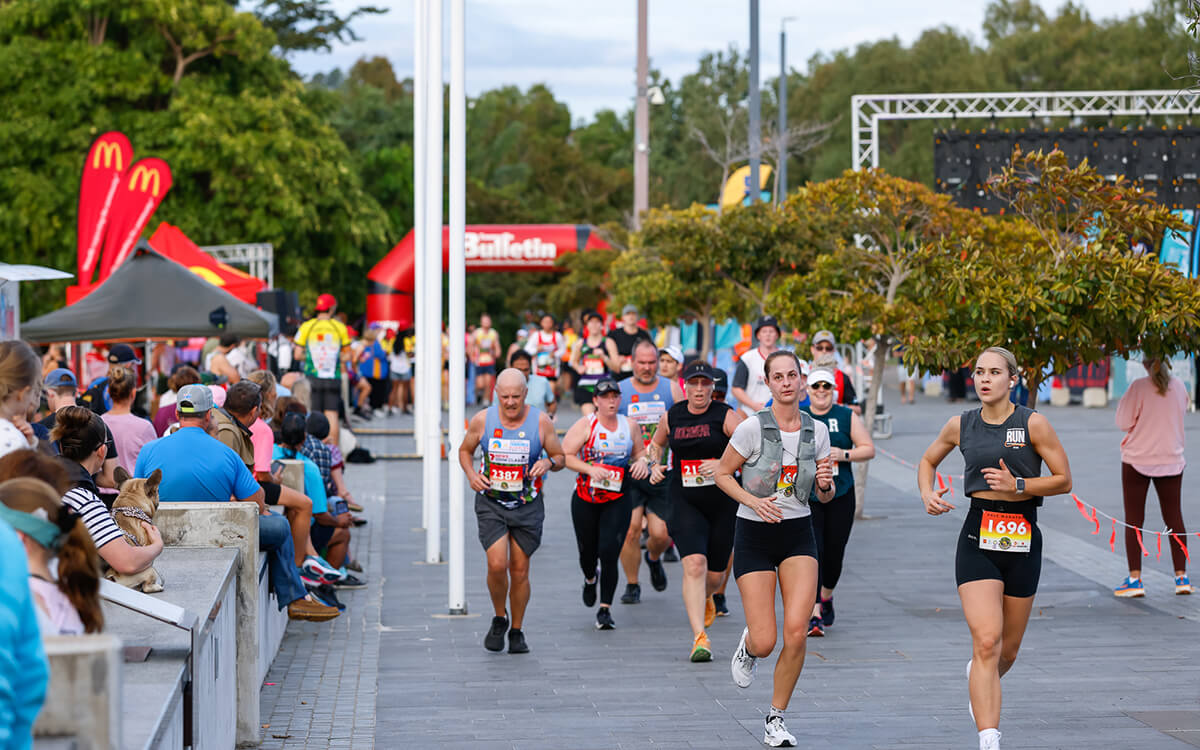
(95, 516)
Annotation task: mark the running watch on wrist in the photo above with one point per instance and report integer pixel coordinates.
(1020, 484)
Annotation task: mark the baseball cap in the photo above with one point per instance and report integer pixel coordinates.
(821, 376)
(720, 381)
(606, 385)
(764, 321)
(121, 354)
(326, 302)
(60, 377)
(194, 399)
(589, 314)
(698, 368)
(674, 352)
(824, 336)
(629, 309)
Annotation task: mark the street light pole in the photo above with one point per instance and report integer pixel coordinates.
(641, 124)
(755, 133)
(781, 167)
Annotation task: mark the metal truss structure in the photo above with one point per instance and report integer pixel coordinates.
(257, 258)
(867, 110)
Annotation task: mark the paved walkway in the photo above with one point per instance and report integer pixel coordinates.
(395, 672)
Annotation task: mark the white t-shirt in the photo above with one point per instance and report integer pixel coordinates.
(756, 381)
(11, 439)
(747, 441)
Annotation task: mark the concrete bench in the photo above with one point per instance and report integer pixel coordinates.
(83, 699)
(260, 623)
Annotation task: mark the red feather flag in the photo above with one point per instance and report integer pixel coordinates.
(138, 195)
(107, 161)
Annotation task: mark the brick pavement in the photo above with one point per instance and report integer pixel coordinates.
(1094, 670)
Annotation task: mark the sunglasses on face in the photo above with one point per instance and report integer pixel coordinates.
(823, 348)
(820, 387)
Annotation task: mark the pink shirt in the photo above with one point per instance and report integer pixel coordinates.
(263, 441)
(56, 614)
(1154, 441)
(130, 433)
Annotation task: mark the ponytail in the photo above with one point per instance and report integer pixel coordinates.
(1160, 375)
(121, 383)
(79, 574)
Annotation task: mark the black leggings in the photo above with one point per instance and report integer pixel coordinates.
(600, 530)
(832, 522)
(1136, 485)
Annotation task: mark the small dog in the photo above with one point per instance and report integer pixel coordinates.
(137, 502)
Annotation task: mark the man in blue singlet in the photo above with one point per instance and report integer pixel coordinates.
(519, 446)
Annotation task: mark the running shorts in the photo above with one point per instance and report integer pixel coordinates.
(704, 526)
(326, 394)
(758, 545)
(1019, 571)
(584, 394)
(523, 523)
(652, 496)
(485, 369)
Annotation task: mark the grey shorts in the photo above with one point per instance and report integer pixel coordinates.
(523, 523)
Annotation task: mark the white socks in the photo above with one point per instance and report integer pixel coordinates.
(989, 739)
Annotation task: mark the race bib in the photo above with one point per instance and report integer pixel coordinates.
(545, 363)
(645, 414)
(485, 359)
(612, 479)
(507, 459)
(785, 486)
(506, 477)
(692, 476)
(626, 364)
(1005, 532)
(835, 468)
(593, 366)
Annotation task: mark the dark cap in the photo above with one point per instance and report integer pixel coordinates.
(318, 425)
(606, 385)
(121, 354)
(698, 368)
(720, 381)
(589, 314)
(764, 321)
(60, 377)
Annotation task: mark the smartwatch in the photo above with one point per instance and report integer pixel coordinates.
(1020, 485)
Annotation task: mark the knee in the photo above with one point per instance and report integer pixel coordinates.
(518, 573)
(762, 643)
(634, 533)
(694, 566)
(1008, 654)
(340, 536)
(986, 646)
(658, 529)
(795, 634)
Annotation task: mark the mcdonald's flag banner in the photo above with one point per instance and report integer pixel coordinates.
(138, 195)
(172, 243)
(106, 162)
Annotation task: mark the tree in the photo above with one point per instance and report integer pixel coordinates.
(307, 25)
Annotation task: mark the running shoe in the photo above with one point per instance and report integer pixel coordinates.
(350, 582)
(633, 593)
(1129, 588)
(814, 628)
(701, 648)
(604, 620)
(671, 555)
(516, 642)
(324, 594)
(1182, 585)
(827, 611)
(777, 734)
(710, 612)
(494, 640)
(970, 708)
(991, 742)
(719, 604)
(315, 568)
(743, 665)
(658, 574)
(589, 592)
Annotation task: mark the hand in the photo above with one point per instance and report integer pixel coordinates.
(152, 532)
(639, 470)
(934, 504)
(540, 467)
(479, 482)
(1000, 480)
(599, 473)
(22, 425)
(708, 467)
(824, 474)
(766, 509)
(344, 520)
(658, 472)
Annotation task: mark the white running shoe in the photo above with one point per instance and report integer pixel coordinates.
(743, 665)
(777, 735)
(991, 742)
(970, 708)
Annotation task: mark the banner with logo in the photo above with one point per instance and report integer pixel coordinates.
(140, 191)
(107, 161)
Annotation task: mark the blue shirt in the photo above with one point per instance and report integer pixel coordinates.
(196, 467)
(539, 393)
(24, 671)
(314, 486)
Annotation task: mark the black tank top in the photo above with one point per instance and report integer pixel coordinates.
(983, 445)
(696, 437)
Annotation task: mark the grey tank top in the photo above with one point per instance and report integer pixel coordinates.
(983, 445)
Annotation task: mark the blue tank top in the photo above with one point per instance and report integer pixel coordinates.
(645, 409)
(508, 455)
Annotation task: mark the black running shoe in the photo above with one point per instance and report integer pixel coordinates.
(814, 628)
(658, 574)
(604, 620)
(719, 603)
(827, 611)
(633, 593)
(589, 593)
(516, 642)
(494, 640)
(326, 595)
(671, 555)
(350, 582)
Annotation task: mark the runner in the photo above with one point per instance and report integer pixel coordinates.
(601, 446)
(749, 386)
(644, 399)
(670, 362)
(483, 351)
(588, 359)
(783, 454)
(999, 556)
(849, 441)
(702, 517)
(508, 498)
(323, 344)
(547, 347)
(623, 338)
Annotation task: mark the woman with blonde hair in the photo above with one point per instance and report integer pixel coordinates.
(1151, 416)
(20, 392)
(68, 604)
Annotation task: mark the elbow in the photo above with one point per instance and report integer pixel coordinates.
(869, 451)
(125, 558)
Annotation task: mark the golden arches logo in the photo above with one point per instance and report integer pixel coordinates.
(111, 154)
(150, 179)
(208, 275)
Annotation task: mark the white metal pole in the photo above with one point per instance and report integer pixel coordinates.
(420, 403)
(458, 299)
(641, 123)
(432, 450)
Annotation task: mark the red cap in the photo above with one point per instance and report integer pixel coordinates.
(326, 302)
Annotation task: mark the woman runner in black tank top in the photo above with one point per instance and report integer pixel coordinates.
(702, 516)
(999, 548)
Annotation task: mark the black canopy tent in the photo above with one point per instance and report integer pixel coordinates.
(151, 297)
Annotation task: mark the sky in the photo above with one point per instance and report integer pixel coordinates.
(585, 50)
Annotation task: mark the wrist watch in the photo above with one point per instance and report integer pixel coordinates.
(1020, 484)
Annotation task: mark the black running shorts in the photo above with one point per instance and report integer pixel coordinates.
(703, 525)
(653, 496)
(1019, 571)
(326, 394)
(758, 545)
